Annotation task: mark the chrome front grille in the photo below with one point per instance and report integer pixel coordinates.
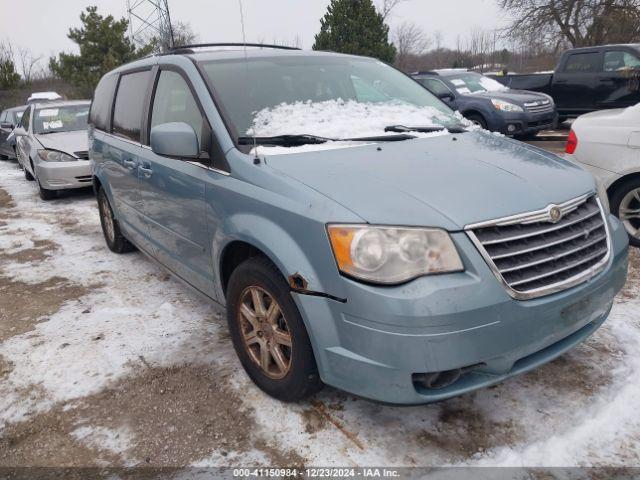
(547, 251)
(544, 106)
(84, 155)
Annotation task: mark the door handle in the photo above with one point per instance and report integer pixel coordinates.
(560, 81)
(147, 172)
(129, 163)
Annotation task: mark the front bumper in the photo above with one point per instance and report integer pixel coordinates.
(372, 344)
(524, 123)
(64, 175)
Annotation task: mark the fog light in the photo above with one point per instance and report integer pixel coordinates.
(512, 128)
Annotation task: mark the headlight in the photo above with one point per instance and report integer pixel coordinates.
(506, 106)
(55, 156)
(392, 255)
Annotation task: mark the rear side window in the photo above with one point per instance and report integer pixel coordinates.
(102, 101)
(618, 60)
(435, 86)
(127, 113)
(174, 102)
(583, 63)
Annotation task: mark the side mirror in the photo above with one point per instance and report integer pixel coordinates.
(19, 131)
(175, 139)
(446, 96)
(6, 125)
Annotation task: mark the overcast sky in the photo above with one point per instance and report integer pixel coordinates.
(42, 25)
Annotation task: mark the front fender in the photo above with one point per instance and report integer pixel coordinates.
(314, 261)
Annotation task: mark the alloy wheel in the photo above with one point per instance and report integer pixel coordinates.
(629, 212)
(265, 332)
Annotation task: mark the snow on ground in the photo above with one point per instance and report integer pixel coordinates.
(123, 330)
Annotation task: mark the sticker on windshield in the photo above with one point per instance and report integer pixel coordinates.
(52, 125)
(49, 112)
(463, 90)
(457, 82)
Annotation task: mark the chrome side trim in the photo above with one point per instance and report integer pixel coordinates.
(555, 287)
(211, 169)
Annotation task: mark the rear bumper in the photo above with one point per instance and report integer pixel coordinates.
(604, 177)
(374, 343)
(64, 175)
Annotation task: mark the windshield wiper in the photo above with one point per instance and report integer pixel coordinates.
(285, 140)
(380, 138)
(430, 129)
(299, 140)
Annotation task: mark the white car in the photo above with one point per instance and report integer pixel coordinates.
(608, 144)
(52, 144)
(43, 97)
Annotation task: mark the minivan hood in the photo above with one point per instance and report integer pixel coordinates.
(447, 181)
(68, 142)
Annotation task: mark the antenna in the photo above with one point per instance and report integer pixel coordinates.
(256, 159)
(149, 19)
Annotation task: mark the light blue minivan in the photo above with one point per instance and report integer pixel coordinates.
(358, 232)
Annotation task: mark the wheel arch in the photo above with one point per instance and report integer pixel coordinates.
(619, 181)
(246, 235)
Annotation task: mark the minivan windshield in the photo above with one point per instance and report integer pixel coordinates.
(470, 82)
(60, 119)
(321, 95)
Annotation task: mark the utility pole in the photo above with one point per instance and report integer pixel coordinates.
(150, 19)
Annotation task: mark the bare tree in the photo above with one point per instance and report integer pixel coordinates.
(183, 34)
(409, 40)
(28, 63)
(576, 22)
(387, 6)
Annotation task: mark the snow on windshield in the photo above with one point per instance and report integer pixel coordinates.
(339, 119)
(491, 85)
(344, 119)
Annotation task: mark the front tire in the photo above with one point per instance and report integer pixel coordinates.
(478, 120)
(46, 194)
(116, 242)
(27, 175)
(268, 333)
(625, 204)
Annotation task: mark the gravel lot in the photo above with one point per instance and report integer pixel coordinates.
(106, 360)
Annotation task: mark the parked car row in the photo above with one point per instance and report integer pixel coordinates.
(51, 145)
(405, 257)
(587, 79)
(490, 104)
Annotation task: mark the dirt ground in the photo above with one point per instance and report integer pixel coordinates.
(105, 360)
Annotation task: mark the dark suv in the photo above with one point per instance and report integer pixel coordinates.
(490, 104)
(9, 119)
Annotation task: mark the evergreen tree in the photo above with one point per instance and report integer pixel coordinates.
(103, 46)
(355, 27)
(9, 78)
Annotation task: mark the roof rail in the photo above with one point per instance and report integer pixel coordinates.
(189, 48)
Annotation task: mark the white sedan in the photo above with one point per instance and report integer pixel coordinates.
(608, 144)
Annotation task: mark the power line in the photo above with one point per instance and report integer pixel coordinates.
(149, 19)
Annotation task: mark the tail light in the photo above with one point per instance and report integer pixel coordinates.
(572, 143)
